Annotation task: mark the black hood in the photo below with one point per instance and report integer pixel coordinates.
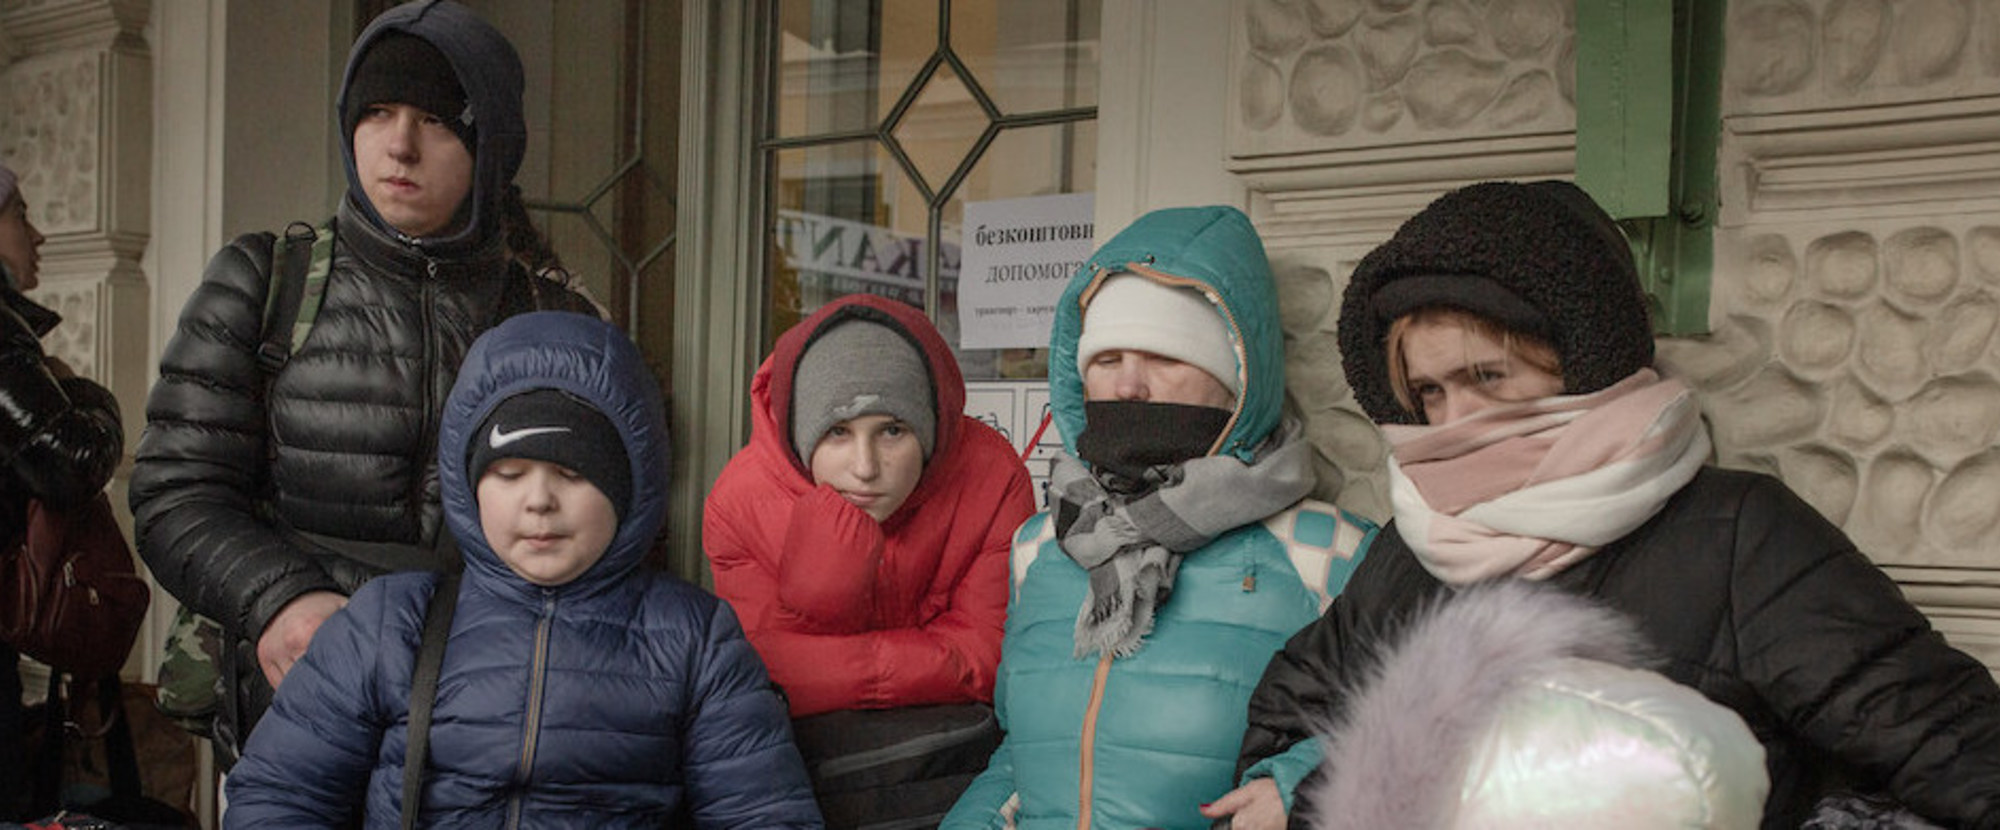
(490, 71)
(1540, 257)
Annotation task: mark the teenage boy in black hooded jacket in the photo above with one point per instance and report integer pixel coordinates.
(265, 511)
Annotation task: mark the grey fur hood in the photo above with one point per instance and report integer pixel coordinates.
(1516, 705)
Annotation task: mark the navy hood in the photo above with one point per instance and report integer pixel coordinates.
(587, 358)
(490, 71)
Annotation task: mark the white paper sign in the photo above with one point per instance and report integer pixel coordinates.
(1019, 410)
(1017, 256)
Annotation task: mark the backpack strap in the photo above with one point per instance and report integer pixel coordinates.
(1325, 544)
(423, 693)
(300, 262)
(1028, 541)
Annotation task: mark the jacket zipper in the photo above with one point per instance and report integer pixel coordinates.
(1086, 782)
(532, 727)
(429, 294)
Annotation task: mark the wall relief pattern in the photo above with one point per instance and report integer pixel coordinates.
(1855, 343)
(1860, 365)
(1785, 53)
(76, 340)
(1350, 457)
(1388, 71)
(1857, 283)
(50, 133)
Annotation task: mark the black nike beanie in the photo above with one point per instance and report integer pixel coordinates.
(560, 428)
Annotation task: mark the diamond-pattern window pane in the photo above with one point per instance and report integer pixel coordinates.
(1030, 55)
(940, 129)
(601, 171)
(843, 65)
(876, 116)
(845, 221)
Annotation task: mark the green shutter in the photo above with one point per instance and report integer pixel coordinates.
(1648, 81)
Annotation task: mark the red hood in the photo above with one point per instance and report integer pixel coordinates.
(771, 389)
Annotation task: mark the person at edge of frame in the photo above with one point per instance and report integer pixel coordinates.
(1502, 341)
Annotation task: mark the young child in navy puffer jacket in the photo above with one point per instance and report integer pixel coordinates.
(577, 689)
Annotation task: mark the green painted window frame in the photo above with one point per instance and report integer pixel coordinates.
(1648, 125)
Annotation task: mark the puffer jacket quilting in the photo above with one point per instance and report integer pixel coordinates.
(1158, 743)
(60, 438)
(343, 447)
(1757, 602)
(927, 627)
(619, 699)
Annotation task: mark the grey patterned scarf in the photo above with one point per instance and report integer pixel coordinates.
(1132, 544)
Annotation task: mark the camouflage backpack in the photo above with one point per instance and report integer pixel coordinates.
(190, 682)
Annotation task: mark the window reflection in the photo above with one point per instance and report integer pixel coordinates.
(885, 127)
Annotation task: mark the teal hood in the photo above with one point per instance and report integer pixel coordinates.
(1216, 250)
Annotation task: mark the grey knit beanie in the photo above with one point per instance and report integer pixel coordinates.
(860, 368)
(1540, 258)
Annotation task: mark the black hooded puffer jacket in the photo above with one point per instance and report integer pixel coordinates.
(226, 481)
(1752, 599)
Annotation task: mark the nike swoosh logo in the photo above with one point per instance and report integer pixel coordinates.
(498, 439)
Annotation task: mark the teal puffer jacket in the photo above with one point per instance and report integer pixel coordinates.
(1141, 741)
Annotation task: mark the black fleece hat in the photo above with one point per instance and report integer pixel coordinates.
(560, 428)
(1541, 258)
(401, 68)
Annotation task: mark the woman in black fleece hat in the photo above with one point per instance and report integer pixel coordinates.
(1502, 341)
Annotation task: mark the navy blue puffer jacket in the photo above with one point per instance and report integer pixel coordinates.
(624, 698)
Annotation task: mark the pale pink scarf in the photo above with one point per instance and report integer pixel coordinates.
(1529, 489)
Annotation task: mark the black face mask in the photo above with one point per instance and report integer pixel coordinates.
(1126, 438)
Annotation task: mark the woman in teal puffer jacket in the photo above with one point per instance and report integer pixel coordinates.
(1180, 550)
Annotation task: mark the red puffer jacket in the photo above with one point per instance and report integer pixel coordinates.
(845, 622)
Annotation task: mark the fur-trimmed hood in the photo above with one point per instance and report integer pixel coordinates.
(1514, 705)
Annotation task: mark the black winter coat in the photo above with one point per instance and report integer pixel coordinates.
(1755, 600)
(243, 503)
(60, 438)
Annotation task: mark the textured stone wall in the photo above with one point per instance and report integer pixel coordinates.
(1855, 344)
(1859, 365)
(1348, 116)
(1388, 71)
(49, 133)
(1858, 266)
